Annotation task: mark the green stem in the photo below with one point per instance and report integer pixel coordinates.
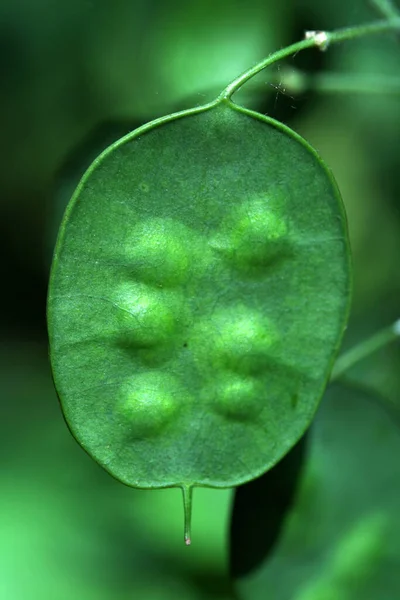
(386, 8)
(366, 389)
(360, 387)
(365, 348)
(320, 39)
(187, 492)
(297, 82)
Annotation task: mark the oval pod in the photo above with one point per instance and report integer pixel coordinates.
(198, 296)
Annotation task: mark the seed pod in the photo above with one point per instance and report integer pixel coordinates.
(198, 296)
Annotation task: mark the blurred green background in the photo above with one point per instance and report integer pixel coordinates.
(74, 77)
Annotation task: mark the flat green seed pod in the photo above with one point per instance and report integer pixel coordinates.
(198, 296)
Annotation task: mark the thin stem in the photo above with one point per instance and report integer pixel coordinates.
(385, 8)
(320, 39)
(365, 348)
(187, 492)
(348, 84)
(297, 82)
(359, 387)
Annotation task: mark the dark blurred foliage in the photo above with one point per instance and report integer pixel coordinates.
(76, 76)
(254, 533)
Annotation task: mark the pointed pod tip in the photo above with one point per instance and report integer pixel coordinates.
(187, 506)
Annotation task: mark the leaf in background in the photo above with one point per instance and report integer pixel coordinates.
(259, 511)
(342, 538)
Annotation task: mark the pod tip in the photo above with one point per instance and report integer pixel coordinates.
(187, 506)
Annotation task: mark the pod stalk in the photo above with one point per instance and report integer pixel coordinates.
(187, 493)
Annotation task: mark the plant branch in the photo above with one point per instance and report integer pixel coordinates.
(364, 349)
(385, 8)
(361, 388)
(313, 39)
(294, 81)
(372, 394)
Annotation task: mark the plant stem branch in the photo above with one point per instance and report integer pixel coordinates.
(359, 387)
(294, 81)
(364, 349)
(386, 8)
(318, 39)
